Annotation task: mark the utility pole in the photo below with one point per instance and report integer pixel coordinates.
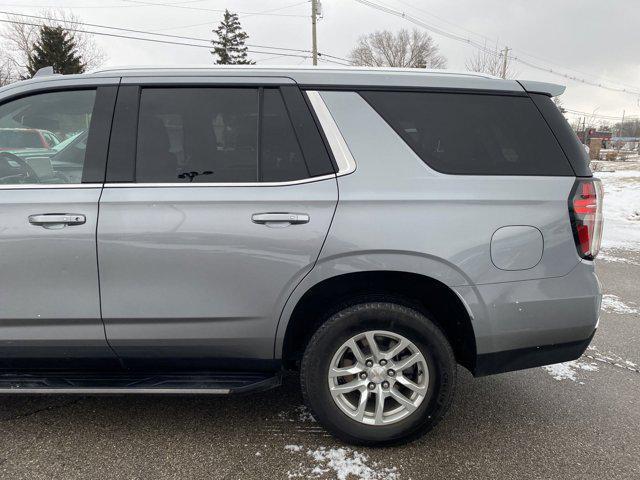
(314, 37)
(584, 130)
(504, 61)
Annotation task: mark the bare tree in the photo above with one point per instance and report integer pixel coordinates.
(490, 62)
(415, 49)
(559, 104)
(7, 72)
(22, 34)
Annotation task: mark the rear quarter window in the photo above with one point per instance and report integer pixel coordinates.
(473, 134)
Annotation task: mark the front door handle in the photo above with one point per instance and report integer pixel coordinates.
(280, 218)
(57, 219)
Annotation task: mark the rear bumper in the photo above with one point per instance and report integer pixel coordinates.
(535, 322)
(510, 360)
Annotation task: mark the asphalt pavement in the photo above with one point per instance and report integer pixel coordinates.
(577, 421)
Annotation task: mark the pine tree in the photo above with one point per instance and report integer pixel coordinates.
(55, 48)
(229, 47)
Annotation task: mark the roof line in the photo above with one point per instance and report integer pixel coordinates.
(296, 68)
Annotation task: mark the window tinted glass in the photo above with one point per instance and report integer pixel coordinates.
(473, 134)
(567, 138)
(281, 158)
(31, 127)
(198, 135)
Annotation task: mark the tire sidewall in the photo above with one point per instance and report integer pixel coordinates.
(394, 318)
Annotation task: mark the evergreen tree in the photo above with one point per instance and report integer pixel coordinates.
(55, 48)
(229, 47)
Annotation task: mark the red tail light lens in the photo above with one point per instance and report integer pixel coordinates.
(585, 210)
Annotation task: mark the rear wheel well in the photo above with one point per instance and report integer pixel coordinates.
(425, 294)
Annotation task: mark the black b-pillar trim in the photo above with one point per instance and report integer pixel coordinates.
(121, 163)
(99, 133)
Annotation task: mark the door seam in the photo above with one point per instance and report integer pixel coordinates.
(104, 327)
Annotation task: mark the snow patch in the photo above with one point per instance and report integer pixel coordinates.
(293, 448)
(609, 257)
(304, 414)
(621, 209)
(611, 359)
(345, 464)
(569, 370)
(301, 412)
(613, 304)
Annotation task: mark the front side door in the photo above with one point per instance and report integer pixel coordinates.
(49, 297)
(225, 211)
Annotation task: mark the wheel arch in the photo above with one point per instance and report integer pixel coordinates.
(340, 281)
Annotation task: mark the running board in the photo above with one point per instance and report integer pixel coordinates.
(125, 383)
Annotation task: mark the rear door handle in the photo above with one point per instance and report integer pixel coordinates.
(53, 219)
(280, 218)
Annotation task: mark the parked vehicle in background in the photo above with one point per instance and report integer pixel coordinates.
(26, 138)
(63, 162)
(334, 222)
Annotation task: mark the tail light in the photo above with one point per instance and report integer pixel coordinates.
(585, 211)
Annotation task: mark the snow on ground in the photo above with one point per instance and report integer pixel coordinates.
(569, 370)
(609, 358)
(344, 463)
(302, 413)
(608, 257)
(621, 210)
(293, 448)
(614, 304)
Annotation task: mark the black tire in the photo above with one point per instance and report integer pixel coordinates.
(396, 318)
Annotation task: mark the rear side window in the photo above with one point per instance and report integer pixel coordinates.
(216, 135)
(567, 138)
(281, 158)
(473, 134)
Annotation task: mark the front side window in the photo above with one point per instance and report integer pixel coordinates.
(473, 134)
(216, 135)
(36, 137)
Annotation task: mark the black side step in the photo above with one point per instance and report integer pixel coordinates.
(126, 383)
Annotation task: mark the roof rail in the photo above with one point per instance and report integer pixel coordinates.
(44, 72)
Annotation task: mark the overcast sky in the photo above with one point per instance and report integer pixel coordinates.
(591, 39)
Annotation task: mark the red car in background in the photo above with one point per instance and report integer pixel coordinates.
(26, 138)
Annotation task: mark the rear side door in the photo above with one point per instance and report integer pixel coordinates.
(218, 199)
(49, 294)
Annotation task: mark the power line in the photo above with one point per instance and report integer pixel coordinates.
(574, 78)
(153, 40)
(444, 20)
(216, 10)
(421, 23)
(244, 16)
(141, 4)
(90, 6)
(557, 64)
(278, 9)
(469, 41)
(177, 37)
(595, 115)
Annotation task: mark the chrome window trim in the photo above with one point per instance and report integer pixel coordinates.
(337, 143)
(220, 184)
(49, 186)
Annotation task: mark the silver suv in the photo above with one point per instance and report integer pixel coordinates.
(205, 229)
